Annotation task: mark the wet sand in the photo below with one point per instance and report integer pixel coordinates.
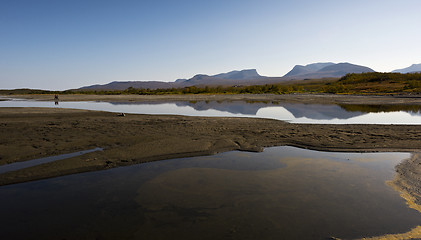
(408, 181)
(31, 133)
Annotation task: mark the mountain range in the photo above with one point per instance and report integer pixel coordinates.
(250, 77)
(230, 78)
(119, 85)
(243, 77)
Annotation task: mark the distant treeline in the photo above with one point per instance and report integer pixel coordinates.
(361, 83)
(29, 91)
(256, 89)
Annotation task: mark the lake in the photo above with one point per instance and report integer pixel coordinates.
(291, 112)
(282, 193)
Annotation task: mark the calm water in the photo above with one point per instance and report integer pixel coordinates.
(282, 193)
(295, 113)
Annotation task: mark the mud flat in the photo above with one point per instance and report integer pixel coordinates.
(31, 133)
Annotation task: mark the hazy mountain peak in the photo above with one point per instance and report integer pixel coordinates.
(412, 68)
(230, 78)
(318, 66)
(326, 70)
(344, 68)
(239, 75)
(309, 68)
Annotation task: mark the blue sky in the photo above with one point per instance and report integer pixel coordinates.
(63, 44)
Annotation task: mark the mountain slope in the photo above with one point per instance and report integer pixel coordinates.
(230, 78)
(309, 68)
(412, 68)
(124, 85)
(239, 75)
(330, 70)
(223, 79)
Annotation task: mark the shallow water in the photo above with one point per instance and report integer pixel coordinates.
(34, 162)
(282, 193)
(291, 112)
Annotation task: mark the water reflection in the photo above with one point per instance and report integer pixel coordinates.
(370, 108)
(292, 112)
(282, 193)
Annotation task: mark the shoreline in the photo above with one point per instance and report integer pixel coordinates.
(290, 98)
(407, 181)
(40, 132)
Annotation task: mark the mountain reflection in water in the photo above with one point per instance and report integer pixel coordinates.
(291, 112)
(311, 113)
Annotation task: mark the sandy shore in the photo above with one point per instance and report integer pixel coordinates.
(31, 133)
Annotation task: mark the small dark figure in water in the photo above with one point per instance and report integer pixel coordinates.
(56, 99)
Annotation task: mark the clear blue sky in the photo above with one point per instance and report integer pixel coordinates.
(62, 44)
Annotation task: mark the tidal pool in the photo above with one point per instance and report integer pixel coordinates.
(282, 193)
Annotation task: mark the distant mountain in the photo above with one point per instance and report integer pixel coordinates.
(342, 69)
(243, 77)
(325, 70)
(239, 75)
(201, 79)
(300, 69)
(233, 77)
(412, 68)
(124, 85)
